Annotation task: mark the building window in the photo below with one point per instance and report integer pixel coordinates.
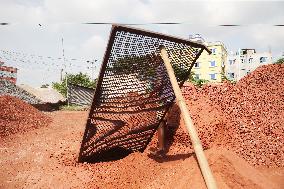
(250, 60)
(196, 65)
(212, 76)
(263, 59)
(231, 75)
(212, 63)
(232, 61)
(197, 76)
(213, 51)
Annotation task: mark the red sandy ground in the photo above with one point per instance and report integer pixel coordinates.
(46, 158)
(240, 126)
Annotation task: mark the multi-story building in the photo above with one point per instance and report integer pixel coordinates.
(210, 67)
(8, 73)
(197, 38)
(244, 61)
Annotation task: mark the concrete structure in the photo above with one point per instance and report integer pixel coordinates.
(196, 38)
(210, 67)
(46, 95)
(8, 73)
(244, 61)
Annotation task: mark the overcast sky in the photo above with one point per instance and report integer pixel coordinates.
(32, 40)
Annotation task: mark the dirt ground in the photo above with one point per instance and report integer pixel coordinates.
(47, 158)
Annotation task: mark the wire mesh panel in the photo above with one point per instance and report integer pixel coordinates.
(133, 91)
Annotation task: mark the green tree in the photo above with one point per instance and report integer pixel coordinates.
(143, 65)
(279, 61)
(195, 81)
(77, 79)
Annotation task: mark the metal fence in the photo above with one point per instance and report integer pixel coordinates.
(78, 95)
(133, 91)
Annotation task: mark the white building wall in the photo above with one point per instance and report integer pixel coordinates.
(239, 65)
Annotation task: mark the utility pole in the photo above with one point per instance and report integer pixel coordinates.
(66, 75)
(61, 74)
(92, 67)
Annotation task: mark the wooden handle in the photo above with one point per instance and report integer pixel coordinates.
(197, 146)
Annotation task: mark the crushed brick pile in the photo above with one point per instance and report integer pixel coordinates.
(18, 116)
(247, 117)
(7, 88)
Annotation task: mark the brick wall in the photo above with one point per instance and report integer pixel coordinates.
(8, 73)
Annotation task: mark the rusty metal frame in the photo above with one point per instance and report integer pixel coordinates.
(113, 31)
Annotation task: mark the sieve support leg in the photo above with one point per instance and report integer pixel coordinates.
(161, 136)
(201, 158)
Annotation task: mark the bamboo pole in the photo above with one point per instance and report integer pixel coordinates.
(201, 158)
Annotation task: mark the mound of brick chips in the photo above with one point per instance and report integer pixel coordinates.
(247, 117)
(18, 116)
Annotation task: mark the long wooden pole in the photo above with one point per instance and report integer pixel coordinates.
(197, 146)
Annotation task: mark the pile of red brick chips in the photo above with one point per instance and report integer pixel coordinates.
(251, 113)
(18, 116)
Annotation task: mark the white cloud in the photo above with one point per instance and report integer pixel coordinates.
(94, 47)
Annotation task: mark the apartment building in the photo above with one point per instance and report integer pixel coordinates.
(244, 61)
(210, 67)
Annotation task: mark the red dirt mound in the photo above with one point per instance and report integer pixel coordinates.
(247, 117)
(229, 170)
(18, 116)
(141, 170)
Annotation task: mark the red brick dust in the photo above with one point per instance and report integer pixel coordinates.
(47, 158)
(18, 116)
